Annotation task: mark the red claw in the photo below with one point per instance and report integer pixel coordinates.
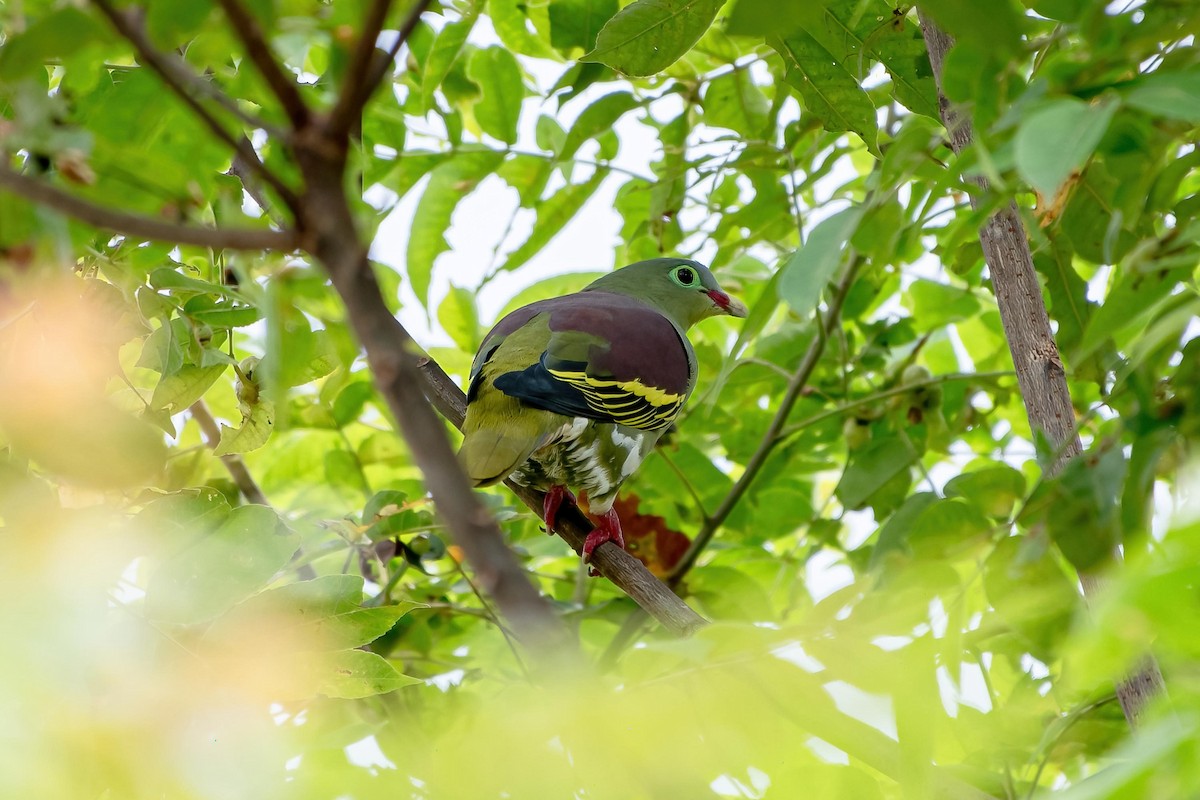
(608, 529)
(551, 503)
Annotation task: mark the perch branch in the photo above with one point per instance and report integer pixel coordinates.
(140, 227)
(625, 571)
(1040, 374)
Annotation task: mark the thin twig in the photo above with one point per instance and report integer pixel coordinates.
(138, 226)
(490, 614)
(771, 437)
(282, 86)
(242, 477)
(354, 93)
(875, 397)
(233, 463)
(184, 83)
(385, 61)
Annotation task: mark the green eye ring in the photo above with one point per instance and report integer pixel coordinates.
(685, 275)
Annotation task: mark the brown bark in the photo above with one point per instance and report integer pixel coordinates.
(1040, 374)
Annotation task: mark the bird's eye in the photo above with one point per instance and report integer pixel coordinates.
(684, 276)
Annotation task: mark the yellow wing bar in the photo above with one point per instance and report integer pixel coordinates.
(631, 403)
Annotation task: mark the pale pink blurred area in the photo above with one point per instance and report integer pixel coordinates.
(59, 340)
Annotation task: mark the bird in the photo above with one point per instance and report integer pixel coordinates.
(573, 392)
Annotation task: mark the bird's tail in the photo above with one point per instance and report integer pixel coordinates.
(495, 442)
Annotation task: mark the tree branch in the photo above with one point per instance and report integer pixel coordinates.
(282, 86)
(355, 90)
(183, 82)
(1040, 374)
(138, 226)
(368, 64)
(773, 435)
(392, 356)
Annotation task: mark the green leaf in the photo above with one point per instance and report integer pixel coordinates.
(178, 283)
(356, 627)
(935, 305)
(900, 47)
(812, 266)
(763, 18)
(253, 432)
(647, 36)
(350, 401)
(445, 51)
(872, 467)
(508, 17)
(1029, 590)
(306, 356)
(321, 614)
(351, 674)
(893, 535)
(554, 286)
(499, 76)
(947, 525)
(826, 88)
(577, 23)
(728, 593)
(527, 174)
(995, 490)
(1069, 305)
(448, 184)
(220, 568)
(1057, 139)
(59, 34)
(1083, 507)
(458, 315)
(178, 390)
(1127, 306)
(170, 22)
(1173, 95)
(996, 26)
(600, 116)
(553, 215)
(734, 101)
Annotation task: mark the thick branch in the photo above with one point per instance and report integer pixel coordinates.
(625, 571)
(183, 83)
(138, 226)
(392, 356)
(772, 437)
(282, 86)
(368, 64)
(1040, 374)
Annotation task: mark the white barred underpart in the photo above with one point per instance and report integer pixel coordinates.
(580, 465)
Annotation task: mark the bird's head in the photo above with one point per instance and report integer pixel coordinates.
(684, 290)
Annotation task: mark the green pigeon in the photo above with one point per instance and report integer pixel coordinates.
(574, 391)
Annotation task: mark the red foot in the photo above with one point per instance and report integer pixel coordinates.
(608, 529)
(550, 505)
